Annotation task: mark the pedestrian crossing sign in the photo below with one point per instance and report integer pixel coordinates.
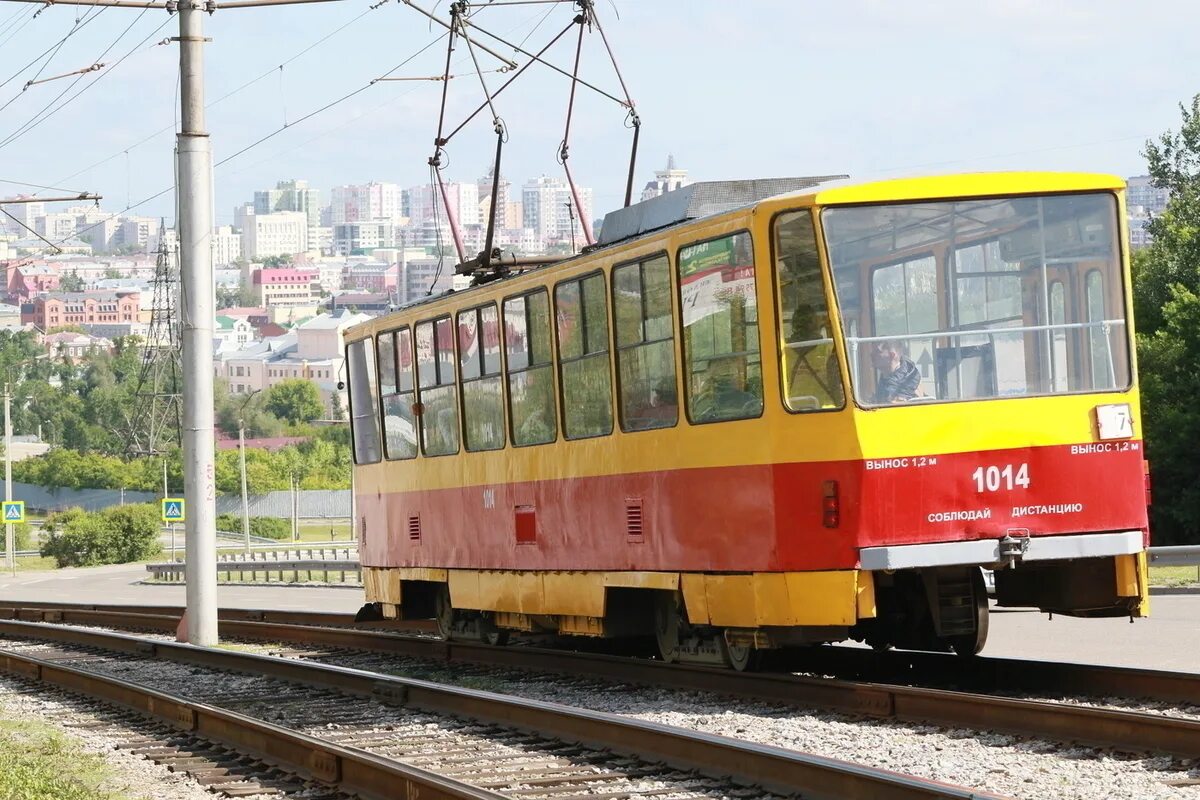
(14, 511)
(172, 509)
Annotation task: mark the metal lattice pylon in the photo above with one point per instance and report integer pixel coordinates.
(154, 422)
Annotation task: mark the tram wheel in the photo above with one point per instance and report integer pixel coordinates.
(666, 626)
(742, 657)
(971, 644)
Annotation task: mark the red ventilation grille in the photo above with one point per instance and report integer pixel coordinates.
(414, 527)
(634, 523)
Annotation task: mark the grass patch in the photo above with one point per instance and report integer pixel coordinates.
(33, 563)
(38, 762)
(1174, 576)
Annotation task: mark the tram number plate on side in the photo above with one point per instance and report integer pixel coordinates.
(1114, 421)
(995, 478)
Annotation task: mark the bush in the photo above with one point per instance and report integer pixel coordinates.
(23, 536)
(266, 527)
(120, 535)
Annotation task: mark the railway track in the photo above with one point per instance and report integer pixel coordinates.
(1121, 730)
(378, 736)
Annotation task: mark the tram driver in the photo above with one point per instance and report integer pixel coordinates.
(899, 379)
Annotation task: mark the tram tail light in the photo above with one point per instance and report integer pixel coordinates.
(1146, 469)
(831, 512)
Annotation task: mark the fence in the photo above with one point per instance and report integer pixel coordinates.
(313, 503)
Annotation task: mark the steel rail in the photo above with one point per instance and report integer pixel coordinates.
(1127, 731)
(352, 770)
(772, 768)
(982, 673)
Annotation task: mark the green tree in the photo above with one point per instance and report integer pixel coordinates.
(295, 400)
(71, 282)
(273, 262)
(76, 538)
(1166, 292)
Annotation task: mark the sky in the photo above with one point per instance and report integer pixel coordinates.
(872, 88)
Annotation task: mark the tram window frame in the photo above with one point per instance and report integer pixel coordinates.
(397, 385)
(828, 293)
(439, 383)
(481, 367)
(584, 355)
(683, 349)
(641, 262)
(1109, 366)
(550, 364)
(351, 376)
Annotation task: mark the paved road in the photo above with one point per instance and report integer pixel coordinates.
(118, 584)
(1169, 639)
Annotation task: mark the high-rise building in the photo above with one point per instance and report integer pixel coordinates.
(140, 233)
(424, 203)
(1142, 192)
(226, 246)
(281, 234)
(666, 180)
(1144, 201)
(369, 202)
(293, 195)
(503, 198)
(57, 226)
(549, 209)
(355, 238)
(95, 226)
(26, 214)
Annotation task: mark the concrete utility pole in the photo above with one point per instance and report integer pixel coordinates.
(10, 545)
(245, 494)
(199, 305)
(196, 278)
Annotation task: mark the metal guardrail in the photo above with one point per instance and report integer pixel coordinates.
(1186, 555)
(173, 571)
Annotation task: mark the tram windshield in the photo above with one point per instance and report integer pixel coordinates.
(978, 299)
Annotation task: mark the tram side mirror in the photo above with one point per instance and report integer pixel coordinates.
(341, 385)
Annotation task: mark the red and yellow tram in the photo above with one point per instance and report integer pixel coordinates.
(810, 417)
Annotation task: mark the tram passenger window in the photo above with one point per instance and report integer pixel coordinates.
(645, 345)
(530, 372)
(582, 320)
(394, 350)
(479, 367)
(435, 371)
(721, 353)
(811, 378)
(364, 418)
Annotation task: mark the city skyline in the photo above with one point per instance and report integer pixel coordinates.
(1036, 99)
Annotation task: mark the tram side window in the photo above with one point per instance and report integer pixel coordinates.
(582, 316)
(364, 419)
(811, 378)
(530, 371)
(479, 367)
(435, 370)
(721, 352)
(394, 350)
(645, 345)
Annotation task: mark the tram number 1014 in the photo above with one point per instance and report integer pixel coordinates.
(993, 479)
